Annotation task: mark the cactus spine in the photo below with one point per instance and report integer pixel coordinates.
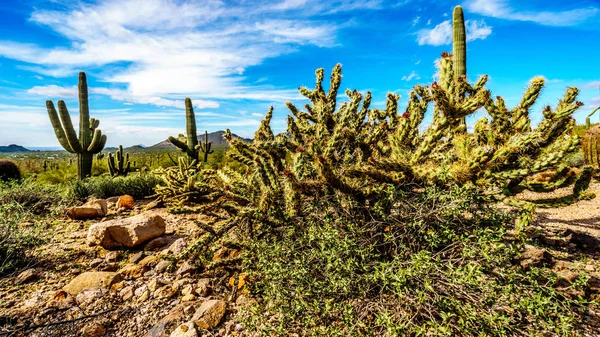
(119, 165)
(189, 143)
(91, 140)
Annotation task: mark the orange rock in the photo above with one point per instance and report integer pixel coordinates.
(125, 201)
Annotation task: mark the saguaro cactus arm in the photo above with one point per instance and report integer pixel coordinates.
(60, 131)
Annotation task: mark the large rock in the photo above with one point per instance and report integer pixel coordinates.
(92, 209)
(209, 314)
(92, 279)
(126, 233)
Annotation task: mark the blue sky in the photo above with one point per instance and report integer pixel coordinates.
(236, 58)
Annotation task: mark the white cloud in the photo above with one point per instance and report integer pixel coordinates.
(412, 75)
(164, 50)
(502, 10)
(442, 33)
(416, 21)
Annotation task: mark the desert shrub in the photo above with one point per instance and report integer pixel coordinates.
(441, 265)
(38, 198)
(16, 240)
(137, 185)
(9, 170)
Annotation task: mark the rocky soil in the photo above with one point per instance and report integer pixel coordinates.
(74, 289)
(77, 287)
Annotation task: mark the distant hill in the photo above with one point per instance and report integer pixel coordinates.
(13, 148)
(216, 138)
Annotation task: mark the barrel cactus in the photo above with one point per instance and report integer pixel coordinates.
(91, 140)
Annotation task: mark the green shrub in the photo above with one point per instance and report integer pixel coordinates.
(137, 185)
(442, 265)
(16, 240)
(38, 198)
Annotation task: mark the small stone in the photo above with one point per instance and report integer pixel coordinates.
(152, 205)
(238, 327)
(88, 296)
(188, 289)
(209, 314)
(188, 298)
(157, 243)
(141, 290)
(26, 276)
(589, 267)
(132, 271)
(153, 285)
(137, 257)
(61, 300)
(144, 297)
(149, 261)
(162, 266)
(97, 279)
(93, 330)
(117, 286)
(533, 256)
(126, 293)
(92, 209)
(112, 256)
(96, 262)
(178, 246)
(185, 330)
(186, 268)
(203, 287)
(167, 291)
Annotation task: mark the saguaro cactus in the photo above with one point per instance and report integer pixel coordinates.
(591, 146)
(459, 47)
(90, 141)
(189, 143)
(205, 147)
(459, 43)
(119, 165)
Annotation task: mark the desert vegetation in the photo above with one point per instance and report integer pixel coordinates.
(356, 221)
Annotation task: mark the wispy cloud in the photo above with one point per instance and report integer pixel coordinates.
(442, 33)
(162, 50)
(411, 76)
(502, 10)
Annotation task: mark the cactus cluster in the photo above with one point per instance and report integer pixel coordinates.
(91, 140)
(118, 164)
(189, 143)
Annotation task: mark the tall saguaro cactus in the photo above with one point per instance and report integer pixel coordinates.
(459, 47)
(90, 141)
(459, 43)
(189, 143)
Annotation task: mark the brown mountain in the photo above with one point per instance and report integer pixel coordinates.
(216, 138)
